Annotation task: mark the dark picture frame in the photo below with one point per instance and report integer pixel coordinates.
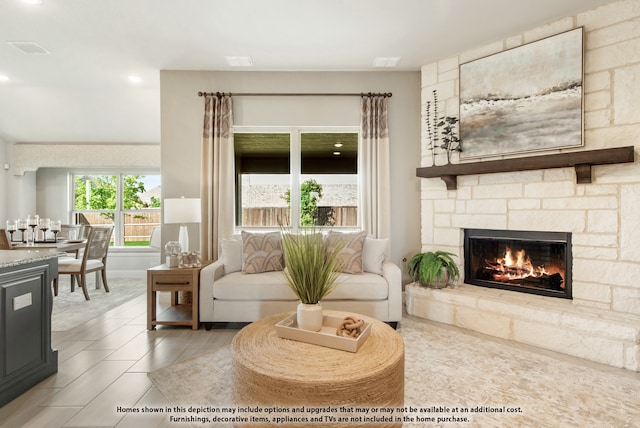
(525, 99)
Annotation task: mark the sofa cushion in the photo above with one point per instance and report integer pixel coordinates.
(260, 286)
(261, 252)
(75, 265)
(350, 258)
(273, 286)
(367, 286)
(373, 254)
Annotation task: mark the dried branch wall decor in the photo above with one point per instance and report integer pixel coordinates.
(441, 131)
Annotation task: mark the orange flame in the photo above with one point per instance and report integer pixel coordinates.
(512, 267)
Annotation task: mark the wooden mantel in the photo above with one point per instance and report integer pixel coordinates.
(581, 161)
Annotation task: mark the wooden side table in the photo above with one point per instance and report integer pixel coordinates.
(174, 280)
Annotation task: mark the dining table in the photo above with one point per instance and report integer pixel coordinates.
(60, 246)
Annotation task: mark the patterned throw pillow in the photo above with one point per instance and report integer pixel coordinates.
(350, 256)
(261, 252)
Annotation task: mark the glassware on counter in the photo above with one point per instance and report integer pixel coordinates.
(12, 226)
(23, 224)
(33, 224)
(56, 225)
(44, 225)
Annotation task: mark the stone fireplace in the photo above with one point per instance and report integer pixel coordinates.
(599, 317)
(525, 261)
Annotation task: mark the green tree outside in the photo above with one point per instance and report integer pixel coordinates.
(310, 194)
(99, 192)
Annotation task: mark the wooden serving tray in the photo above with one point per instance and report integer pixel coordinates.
(288, 329)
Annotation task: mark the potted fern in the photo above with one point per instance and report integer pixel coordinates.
(311, 272)
(433, 269)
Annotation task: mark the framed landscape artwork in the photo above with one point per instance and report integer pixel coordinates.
(524, 99)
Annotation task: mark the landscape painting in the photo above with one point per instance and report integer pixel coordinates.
(525, 99)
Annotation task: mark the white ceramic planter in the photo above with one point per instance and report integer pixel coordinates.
(309, 317)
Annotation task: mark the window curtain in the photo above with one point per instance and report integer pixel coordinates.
(216, 182)
(374, 166)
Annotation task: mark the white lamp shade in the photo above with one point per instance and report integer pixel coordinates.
(181, 210)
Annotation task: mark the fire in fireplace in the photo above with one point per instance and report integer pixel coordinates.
(525, 261)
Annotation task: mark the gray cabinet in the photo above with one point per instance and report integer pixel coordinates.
(26, 300)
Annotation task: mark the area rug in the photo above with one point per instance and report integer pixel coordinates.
(71, 309)
(455, 375)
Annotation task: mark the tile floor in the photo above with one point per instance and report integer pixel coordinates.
(104, 363)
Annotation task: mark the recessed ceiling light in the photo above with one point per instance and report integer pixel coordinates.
(134, 79)
(337, 145)
(386, 61)
(336, 153)
(4, 78)
(239, 61)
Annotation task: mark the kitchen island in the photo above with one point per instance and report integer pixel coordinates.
(26, 300)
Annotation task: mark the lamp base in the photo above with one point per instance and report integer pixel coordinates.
(183, 238)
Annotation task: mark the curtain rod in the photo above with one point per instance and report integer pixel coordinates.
(276, 94)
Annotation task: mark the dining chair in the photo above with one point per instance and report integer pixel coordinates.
(94, 259)
(72, 232)
(4, 240)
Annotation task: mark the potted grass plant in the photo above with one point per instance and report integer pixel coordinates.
(433, 269)
(311, 272)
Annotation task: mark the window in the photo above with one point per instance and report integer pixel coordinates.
(306, 174)
(130, 201)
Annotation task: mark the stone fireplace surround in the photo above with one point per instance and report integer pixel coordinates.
(546, 322)
(602, 321)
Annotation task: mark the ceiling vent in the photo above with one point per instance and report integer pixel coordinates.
(29, 47)
(239, 61)
(386, 61)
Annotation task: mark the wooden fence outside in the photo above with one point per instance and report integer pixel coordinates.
(137, 226)
(276, 216)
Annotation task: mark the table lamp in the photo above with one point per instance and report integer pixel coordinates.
(182, 210)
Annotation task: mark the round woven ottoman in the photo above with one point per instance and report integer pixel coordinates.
(272, 371)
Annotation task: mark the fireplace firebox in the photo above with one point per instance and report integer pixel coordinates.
(524, 261)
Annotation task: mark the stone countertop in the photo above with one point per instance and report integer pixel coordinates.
(10, 258)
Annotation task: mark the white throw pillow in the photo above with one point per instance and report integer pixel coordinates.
(231, 255)
(373, 254)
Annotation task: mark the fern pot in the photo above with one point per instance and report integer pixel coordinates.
(441, 282)
(309, 316)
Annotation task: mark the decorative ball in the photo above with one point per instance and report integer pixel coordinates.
(173, 248)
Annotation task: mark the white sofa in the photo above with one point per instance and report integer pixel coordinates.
(229, 295)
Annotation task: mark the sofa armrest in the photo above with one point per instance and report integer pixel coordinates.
(208, 275)
(391, 272)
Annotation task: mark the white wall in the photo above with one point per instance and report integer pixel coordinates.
(182, 110)
(603, 215)
(17, 192)
(3, 183)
